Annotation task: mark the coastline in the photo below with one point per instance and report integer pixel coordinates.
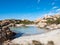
(19, 25)
(53, 27)
(44, 38)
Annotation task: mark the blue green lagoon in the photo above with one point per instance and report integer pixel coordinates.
(27, 30)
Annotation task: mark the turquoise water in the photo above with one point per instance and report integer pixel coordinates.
(27, 30)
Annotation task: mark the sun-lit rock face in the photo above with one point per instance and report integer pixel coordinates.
(47, 16)
(37, 20)
(57, 15)
(42, 25)
(55, 18)
(49, 21)
(52, 17)
(41, 22)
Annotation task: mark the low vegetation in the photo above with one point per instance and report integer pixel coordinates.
(57, 21)
(17, 21)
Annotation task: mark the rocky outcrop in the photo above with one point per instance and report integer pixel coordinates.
(50, 43)
(36, 42)
(49, 22)
(42, 25)
(5, 32)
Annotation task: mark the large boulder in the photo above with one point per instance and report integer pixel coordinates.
(42, 25)
(50, 43)
(6, 33)
(36, 42)
(5, 23)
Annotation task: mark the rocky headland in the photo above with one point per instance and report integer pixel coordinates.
(49, 22)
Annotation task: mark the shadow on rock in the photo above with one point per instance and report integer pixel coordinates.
(18, 35)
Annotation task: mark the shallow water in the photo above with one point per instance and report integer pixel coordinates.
(27, 30)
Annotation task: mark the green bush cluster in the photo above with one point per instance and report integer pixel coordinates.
(51, 21)
(17, 21)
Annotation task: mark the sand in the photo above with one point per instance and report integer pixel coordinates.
(53, 35)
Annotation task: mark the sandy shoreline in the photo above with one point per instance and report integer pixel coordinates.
(18, 25)
(44, 38)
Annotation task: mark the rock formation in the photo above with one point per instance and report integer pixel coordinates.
(5, 32)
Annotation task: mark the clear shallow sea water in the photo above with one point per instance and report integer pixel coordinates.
(27, 30)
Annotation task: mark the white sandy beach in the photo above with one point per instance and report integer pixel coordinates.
(19, 25)
(43, 38)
